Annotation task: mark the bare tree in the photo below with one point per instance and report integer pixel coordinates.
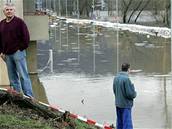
(125, 6)
(167, 12)
(83, 7)
(147, 2)
(110, 6)
(137, 7)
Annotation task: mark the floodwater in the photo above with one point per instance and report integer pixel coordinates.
(85, 61)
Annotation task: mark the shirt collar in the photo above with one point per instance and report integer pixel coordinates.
(123, 73)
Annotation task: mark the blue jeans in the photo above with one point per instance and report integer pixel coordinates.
(124, 119)
(18, 73)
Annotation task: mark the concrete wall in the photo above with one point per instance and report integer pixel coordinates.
(38, 27)
(29, 6)
(3, 74)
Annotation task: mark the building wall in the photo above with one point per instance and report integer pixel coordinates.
(29, 6)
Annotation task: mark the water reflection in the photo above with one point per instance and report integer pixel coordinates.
(151, 110)
(151, 102)
(96, 47)
(85, 61)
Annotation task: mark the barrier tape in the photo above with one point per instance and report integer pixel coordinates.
(56, 108)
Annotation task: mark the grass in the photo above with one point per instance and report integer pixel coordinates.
(13, 122)
(19, 113)
(81, 125)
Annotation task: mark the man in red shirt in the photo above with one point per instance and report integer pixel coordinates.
(14, 39)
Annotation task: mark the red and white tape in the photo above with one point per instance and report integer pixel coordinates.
(88, 121)
(56, 108)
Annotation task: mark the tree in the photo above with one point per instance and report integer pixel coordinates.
(82, 7)
(135, 9)
(110, 6)
(131, 7)
(167, 12)
(85, 7)
(125, 9)
(147, 2)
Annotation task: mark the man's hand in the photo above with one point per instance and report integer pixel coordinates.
(2, 56)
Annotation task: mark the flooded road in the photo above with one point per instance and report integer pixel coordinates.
(92, 98)
(85, 60)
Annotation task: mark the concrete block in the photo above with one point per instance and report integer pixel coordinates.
(4, 80)
(38, 27)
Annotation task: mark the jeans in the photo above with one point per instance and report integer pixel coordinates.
(18, 73)
(124, 120)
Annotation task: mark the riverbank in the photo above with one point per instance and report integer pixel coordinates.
(19, 112)
(135, 28)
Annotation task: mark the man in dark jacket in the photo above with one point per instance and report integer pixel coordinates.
(124, 94)
(14, 39)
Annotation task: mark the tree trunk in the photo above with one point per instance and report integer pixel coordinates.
(135, 10)
(126, 9)
(167, 10)
(141, 10)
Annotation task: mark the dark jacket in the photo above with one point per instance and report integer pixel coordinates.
(14, 36)
(124, 90)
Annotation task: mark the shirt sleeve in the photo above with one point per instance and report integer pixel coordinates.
(0, 44)
(114, 86)
(130, 90)
(24, 36)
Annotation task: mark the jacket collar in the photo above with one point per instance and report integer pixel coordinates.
(123, 73)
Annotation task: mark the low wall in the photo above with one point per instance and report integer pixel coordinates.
(3, 73)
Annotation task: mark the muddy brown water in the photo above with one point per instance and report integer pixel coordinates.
(85, 60)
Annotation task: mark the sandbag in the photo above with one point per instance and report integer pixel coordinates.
(4, 80)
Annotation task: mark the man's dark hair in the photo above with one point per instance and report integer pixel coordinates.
(125, 67)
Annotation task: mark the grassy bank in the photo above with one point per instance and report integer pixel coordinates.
(17, 112)
(8, 121)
